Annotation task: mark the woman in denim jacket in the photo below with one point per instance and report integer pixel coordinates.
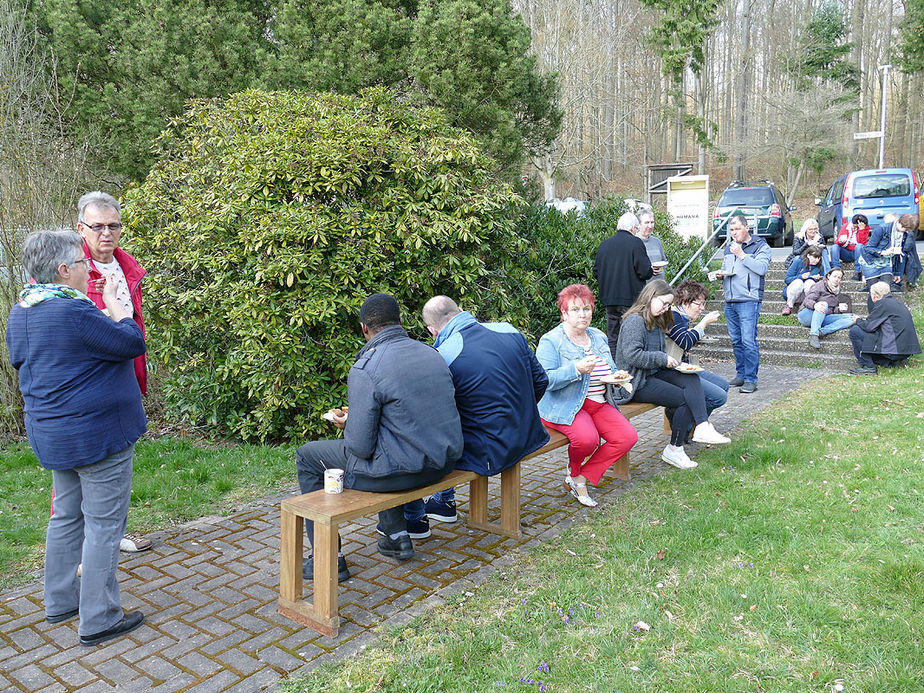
(577, 359)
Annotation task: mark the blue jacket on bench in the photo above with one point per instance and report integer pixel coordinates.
(491, 366)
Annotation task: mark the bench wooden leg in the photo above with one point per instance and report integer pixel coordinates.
(291, 542)
(320, 614)
(510, 504)
(478, 501)
(620, 468)
(510, 501)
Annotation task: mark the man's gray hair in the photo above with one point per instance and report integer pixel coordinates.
(627, 222)
(97, 198)
(43, 251)
(438, 311)
(644, 213)
(880, 289)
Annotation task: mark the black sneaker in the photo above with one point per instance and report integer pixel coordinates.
(343, 571)
(129, 622)
(400, 548)
(814, 342)
(736, 382)
(863, 370)
(419, 529)
(440, 511)
(748, 388)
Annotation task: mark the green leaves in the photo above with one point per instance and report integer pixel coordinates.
(261, 252)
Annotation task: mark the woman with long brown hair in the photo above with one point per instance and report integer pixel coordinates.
(642, 352)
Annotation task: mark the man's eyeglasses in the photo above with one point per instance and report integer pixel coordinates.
(99, 228)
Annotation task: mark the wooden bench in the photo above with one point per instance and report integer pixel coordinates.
(329, 511)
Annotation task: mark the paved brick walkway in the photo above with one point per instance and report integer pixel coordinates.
(209, 589)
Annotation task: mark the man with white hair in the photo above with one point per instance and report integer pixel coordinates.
(621, 268)
(653, 245)
(886, 337)
(100, 224)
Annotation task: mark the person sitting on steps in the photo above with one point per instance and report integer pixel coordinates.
(826, 309)
(802, 275)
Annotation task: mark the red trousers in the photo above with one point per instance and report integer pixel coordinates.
(594, 421)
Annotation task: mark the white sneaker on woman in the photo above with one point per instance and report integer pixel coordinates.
(677, 457)
(706, 433)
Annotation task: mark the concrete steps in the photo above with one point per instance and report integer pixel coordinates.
(786, 344)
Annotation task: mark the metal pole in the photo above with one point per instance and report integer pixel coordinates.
(882, 123)
(703, 247)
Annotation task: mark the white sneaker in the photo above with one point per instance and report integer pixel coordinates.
(677, 457)
(706, 433)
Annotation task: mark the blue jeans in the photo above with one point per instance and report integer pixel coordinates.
(841, 254)
(715, 390)
(741, 319)
(821, 324)
(90, 512)
(414, 511)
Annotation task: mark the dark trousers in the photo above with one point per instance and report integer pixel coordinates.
(680, 392)
(313, 458)
(613, 323)
(868, 360)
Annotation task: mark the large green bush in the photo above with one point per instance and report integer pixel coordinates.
(269, 217)
(565, 245)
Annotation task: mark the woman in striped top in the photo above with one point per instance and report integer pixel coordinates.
(577, 359)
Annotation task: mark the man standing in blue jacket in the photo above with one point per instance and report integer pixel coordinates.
(744, 267)
(498, 382)
(403, 430)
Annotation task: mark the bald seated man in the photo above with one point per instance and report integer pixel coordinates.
(886, 337)
(498, 382)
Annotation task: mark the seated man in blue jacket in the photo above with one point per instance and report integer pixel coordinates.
(402, 430)
(498, 381)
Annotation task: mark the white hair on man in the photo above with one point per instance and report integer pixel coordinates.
(627, 222)
(879, 290)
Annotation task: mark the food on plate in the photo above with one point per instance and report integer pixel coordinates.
(684, 367)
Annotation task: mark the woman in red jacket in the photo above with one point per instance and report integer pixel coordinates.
(850, 241)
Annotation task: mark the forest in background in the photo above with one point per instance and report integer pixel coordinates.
(578, 94)
(777, 85)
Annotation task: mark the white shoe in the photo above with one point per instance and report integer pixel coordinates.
(575, 488)
(706, 433)
(677, 457)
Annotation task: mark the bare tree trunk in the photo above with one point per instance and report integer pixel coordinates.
(742, 105)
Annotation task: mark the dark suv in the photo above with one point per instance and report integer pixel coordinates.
(764, 206)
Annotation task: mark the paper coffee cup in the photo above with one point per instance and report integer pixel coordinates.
(333, 481)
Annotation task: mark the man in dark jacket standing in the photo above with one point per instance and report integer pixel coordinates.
(403, 430)
(621, 268)
(886, 337)
(498, 382)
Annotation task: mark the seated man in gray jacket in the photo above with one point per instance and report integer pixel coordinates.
(403, 429)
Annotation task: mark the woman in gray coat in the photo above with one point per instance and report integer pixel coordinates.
(655, 379)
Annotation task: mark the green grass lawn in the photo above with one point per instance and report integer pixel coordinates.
(790, 560)
(174, 481)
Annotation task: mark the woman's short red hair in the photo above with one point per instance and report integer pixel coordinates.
(574, 292)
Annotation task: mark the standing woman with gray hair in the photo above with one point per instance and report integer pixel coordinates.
(83, 415)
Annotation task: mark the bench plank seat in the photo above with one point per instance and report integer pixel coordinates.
(329, 511)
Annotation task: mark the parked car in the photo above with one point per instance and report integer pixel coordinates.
(871, 192)
(764, 206)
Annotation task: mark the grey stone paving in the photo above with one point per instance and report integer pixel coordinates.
(209, 589)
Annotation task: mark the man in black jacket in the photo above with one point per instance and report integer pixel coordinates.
(886, 337)
(403, 430)
(621, 268)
